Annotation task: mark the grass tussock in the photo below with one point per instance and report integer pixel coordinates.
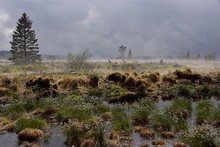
(72, 83)
(35, 123)
(29, 134)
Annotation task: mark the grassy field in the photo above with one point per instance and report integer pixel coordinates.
(136, 103)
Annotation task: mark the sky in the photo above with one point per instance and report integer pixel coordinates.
(147, 27)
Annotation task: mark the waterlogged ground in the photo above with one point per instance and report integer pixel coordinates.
(117, 104)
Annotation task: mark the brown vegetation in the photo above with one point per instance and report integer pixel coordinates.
(88, 143)
(30, 134)
(187, 75)
(180, 144)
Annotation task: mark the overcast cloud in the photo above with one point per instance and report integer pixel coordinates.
(148, 27)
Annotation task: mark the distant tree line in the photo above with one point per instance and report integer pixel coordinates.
(209, 56)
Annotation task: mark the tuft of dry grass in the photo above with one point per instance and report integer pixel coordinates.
(72, 83)
(29, 134)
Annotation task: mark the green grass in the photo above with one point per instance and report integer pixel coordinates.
(121, 121)
(36, 123)
(203, 110)
(95, 92)
(184, 90)
(101, 108)
(46, 138)
(75, 134)
(98, 133)
(215, 115)
(142, 111)
(201, 137)
(159, 119)
(204, 90)
(30, 104)
(13, 109)
(178, 113)
(215, 92)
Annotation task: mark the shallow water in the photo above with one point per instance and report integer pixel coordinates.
(8, 140)
(56, 139)
(138, 141)
(192, 119)
(162, 104)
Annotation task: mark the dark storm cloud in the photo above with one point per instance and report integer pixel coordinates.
(148, 27)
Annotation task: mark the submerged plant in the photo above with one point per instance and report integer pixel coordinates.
(47, 138)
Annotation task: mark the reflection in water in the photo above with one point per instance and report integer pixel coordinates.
(56, 139)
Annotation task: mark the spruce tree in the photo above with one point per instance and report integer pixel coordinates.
(24, 46)
(129, 54)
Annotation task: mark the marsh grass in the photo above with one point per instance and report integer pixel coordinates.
(160, 121)
(47, 138)
(142, 111)
(35, 123)
(203, 110)
(114, 91)
(178, 113)
(204, 90)
(102, 108)
(75, 134)
(98, 133)
(14, 95)
(30, 105)
(185, 91)
(80, 113)
(121, 121)
(13, 109)
(215, 114)
(201, 137)
(95, 92)
(215, 92)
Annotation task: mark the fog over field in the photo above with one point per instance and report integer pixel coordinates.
(148, 27)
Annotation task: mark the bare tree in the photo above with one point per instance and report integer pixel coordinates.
(78, 62)
(122, 49)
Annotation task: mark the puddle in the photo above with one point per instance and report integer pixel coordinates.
(215, 102)
(56, 138)
(162, 104)
(192, 119)
(138, 141)
(8, 140)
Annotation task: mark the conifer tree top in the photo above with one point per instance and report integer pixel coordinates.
(24, 46)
